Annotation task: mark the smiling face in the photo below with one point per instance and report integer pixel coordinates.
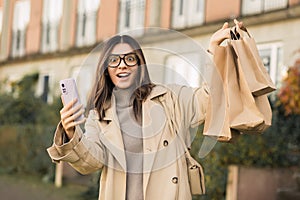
(123, 76)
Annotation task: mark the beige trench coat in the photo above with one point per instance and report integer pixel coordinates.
(164, 165)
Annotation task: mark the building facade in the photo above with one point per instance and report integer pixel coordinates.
(62, 38)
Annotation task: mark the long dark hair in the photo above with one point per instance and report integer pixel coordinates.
(100, 97)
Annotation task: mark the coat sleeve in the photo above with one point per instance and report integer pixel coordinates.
(192, 104)
(186, 108)
(84, 152)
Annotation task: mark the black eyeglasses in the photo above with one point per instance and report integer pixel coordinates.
(130, 59)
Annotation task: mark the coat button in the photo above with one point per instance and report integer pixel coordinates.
(166, 143)
(175, 180)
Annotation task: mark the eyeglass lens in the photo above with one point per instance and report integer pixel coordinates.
(129, 59)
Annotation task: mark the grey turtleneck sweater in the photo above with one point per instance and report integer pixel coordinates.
(133, 143)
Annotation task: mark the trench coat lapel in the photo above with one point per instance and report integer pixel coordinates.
(112, 136)
(150, 142)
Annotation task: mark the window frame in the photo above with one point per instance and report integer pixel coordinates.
(21, 17)
(132, 18)
(276, 59)
(50, 25)
(264, 6)
(184, 15)
(86, 29)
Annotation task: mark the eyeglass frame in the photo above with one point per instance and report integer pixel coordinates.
(123, 58)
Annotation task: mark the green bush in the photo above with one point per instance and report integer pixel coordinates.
(27, 125)
(23, 149)
(22, 106)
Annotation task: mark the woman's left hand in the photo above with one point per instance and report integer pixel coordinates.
(220, 35)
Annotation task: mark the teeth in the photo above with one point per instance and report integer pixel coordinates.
(123, 75)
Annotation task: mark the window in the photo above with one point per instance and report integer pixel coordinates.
(132, 16)
(180, 71)
(250, 7)
(187, 13)
(271, 55)
(275, 4)
(21, 19)
(44, 87)
(52, 12)
(86, 22)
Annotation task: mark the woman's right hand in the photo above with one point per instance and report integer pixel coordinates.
(68, 114)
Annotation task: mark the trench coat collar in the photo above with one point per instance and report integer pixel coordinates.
(158, 90)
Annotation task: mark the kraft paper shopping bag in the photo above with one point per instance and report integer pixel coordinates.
(249, 60)
(243, 110)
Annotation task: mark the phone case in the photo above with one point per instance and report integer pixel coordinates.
(69, 92)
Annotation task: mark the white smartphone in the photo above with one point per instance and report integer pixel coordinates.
(69, 92)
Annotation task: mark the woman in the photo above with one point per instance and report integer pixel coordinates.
(127, 133)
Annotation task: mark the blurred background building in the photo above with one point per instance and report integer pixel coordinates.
(57, 38)
(54, 37)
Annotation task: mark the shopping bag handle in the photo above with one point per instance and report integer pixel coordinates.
(239, 30)
(233, 35)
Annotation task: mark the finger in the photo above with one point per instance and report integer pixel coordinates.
(80, 121)
(64, 113)
(74, 116)
(69, 126)
(225, 25)
(238, 23)
(235, 21)
(227, 33)
(69, 105)
(74, 123)
(67, 113)
(78, 114)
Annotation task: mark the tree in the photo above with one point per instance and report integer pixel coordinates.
(289, 94)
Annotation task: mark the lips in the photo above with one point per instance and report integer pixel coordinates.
(123, 75)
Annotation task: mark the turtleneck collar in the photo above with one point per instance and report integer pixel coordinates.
(123, 96)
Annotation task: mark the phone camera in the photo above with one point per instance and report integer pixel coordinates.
(63, 88)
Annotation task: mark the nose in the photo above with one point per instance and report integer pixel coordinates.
(122, 64)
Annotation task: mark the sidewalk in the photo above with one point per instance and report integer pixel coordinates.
(32, 188)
